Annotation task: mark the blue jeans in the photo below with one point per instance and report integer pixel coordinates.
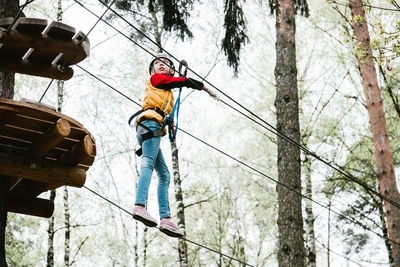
(152, 158)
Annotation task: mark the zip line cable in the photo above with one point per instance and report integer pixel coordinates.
(45, 91)
(183, 238)
(273, 129)
(338, 254)
(107, 23)
(256, 170)
(26, 3)
(107, 84)
(18, 14)
(80, 42)
(98, 20)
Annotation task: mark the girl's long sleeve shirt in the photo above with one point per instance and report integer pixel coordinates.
(168, 82)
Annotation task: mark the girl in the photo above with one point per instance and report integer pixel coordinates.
(158, 103)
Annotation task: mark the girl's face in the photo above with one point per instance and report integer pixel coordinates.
(161, 65)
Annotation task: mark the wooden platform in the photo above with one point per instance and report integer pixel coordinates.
(42, 150)
(35, 47)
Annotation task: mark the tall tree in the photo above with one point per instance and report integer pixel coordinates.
(8, 8)
(67, 223)
(291, 251)
(174, 17)
(382, 153)
(182, 249)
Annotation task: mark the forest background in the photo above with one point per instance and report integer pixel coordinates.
(228, 207)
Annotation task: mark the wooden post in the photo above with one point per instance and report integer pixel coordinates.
(79, 152)
(49, 139)
(31, 206)
(42, 171)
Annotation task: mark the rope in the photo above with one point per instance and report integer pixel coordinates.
(183, 238)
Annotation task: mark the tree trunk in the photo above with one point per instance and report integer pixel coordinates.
(383, 155)
(50, 232)
(8, 8)
(145, 246)
(291, 251)
(182, 247)
(67, 226)
(385, 231)
(310, 234)
(328, 245)
(135, 246)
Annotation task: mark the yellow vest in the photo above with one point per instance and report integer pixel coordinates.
(156, 98)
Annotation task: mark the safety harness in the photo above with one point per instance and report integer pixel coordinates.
(167, 119)
(150, 133)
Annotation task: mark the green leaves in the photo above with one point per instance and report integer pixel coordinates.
(235, 32)
(175, 16)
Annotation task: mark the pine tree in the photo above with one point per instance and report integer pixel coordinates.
(291, 251)
(383, 156)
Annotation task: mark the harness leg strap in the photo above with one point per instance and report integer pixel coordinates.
(148, 135)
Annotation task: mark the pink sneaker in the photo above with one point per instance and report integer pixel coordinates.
(141, 214)
(169, 228)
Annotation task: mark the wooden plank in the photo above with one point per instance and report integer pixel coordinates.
(7, 113)
(6, 22)
(36, 124)
(24, 141)
(42, 171)
(24, 138)
(74, 58)
(31, 206)
(18, 44)
(4, 139)
(81, 39)
(32, 123)
(20, 133)
(79, 36)
(53, 136)
(35, 68)
(40, 112)
(44, 42)
(60, 30)
(30, 25)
